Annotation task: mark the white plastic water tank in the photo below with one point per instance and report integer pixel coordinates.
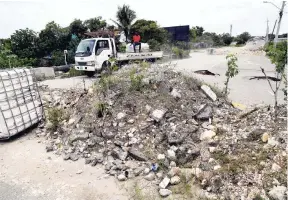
(130, 49)
(20, 102)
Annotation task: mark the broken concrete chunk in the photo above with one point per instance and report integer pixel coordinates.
(137, 154)
(121, 115)
(121, 177)
(206, 135)
(119, 153)
(158, 115)
(164, 183)
(150, 176)
(161, 157)
(278, 192)
(207, 90)
(175, 180)
(175, 94)
(205, 113)
(165, 192)
(171, 155)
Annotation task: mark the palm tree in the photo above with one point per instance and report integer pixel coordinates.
(124, 18)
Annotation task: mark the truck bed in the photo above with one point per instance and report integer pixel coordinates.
(142, 55)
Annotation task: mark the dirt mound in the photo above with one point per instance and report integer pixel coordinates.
(153, 122)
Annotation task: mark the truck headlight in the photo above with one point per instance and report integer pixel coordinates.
(91, 63)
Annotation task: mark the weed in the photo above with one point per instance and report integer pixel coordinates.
(101, 109)
(180, 53)
(106, 82)
(55, 116)
(136, 80)
(73, 72)
(231, 71)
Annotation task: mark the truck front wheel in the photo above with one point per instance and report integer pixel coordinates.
(89, 73)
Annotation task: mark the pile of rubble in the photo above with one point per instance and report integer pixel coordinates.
(171, 130)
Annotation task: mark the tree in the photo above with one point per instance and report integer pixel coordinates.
(23, 43)
(199, 30)
(227, 39)
(124, 19)
(52, 38)
(231, 71)
(78, 28)
(95, 24)
(243, 38)
(149, 30)
(278, 56)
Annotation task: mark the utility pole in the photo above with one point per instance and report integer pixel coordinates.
(279, 22)
(231, 30)
(267, 32)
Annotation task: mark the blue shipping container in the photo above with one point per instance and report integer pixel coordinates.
(179, 33)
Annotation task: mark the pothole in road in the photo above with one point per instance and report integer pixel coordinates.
(264, 78)
(206, 72)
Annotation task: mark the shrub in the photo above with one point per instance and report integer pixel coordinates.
(73, 72)
(180, 53)
(136, 80)
(154, 45)
(101, 109)
(232, 69)
(243, 38)
(55, 117)
(122, 48)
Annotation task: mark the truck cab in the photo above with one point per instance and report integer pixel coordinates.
(92, 54)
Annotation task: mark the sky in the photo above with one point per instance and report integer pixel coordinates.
(213, 15)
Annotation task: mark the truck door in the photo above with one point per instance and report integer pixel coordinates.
(102, 51)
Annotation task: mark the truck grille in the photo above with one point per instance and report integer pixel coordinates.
(82, 63)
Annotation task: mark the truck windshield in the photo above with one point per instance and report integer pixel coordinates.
(85, 48)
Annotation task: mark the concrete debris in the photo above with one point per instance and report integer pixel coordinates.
(175, 180)
(165, 192)
(171, 155)
(161, 134)
(137, 154)
(164, 183)
(121, 177)
(207, 90)
(158, 115)
(150, 176)
(206, 135)
(161, 157)
(205, 113)
(175, 94)
(278, 193)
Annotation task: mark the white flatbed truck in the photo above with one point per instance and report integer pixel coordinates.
(92, 55)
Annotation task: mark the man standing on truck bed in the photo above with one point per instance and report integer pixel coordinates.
(136, 41)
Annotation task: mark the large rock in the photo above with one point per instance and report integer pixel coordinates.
(134, 153)
(175, 94)
(175, 180)
(150, 176)
(121, 177)
(206, 135)
(207, 90)
(78, 136)
(278, 192)
(119, 153)
(158, 115)
(165, 192)
(205, 113)
(164, 183)
(121, 115)
(171, 155)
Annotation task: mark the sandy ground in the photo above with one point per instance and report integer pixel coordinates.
(28, 172)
